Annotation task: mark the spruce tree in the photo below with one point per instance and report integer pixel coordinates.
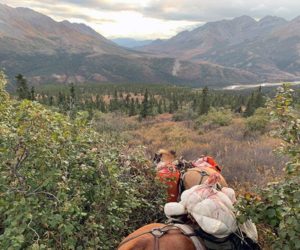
(174, 103)
(164, 106)
(72, 96)
(32, 94)
(250, 106)
(159, 107)
(145, 110)
(204, 102)
(51, 99)
(22, 87)
(72, 101)
(132, 111)
(259, 102)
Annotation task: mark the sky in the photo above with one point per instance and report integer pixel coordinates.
(152, 19)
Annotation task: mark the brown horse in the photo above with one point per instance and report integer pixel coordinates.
(193, 175)
(157, 236)
(198, 175)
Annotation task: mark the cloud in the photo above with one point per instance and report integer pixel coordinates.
(155, 18)
(209, 10)
(183, 10)
(187, 10)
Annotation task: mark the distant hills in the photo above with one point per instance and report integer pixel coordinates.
(130, 42)
(268, 48)
(241, 50)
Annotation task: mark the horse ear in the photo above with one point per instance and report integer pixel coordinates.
(156, 158)
(173, 152)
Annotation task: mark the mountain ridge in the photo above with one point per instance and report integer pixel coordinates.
(267, 48)
(47, 51)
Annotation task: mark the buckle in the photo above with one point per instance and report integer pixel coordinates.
(157, 232)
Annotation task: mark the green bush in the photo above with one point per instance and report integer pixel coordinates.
(215, 118)
(184, 115)
(278, 205)
(64, 186)
(258, 121)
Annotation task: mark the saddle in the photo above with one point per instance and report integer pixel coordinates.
(235, 241)
(198, 242)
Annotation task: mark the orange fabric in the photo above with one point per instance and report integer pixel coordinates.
(213, 164)
(170, 176)
(211, 161)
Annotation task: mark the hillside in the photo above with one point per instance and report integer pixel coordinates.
(267, 48)
(46, 51)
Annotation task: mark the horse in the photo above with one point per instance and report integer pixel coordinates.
(158, 236)
(191, 174)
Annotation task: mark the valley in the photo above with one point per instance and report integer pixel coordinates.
(82, 116)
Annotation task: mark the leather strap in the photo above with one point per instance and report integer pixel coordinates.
(202, 173)
(188, 231)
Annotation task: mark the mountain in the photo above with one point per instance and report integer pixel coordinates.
(268, 48)
(131, 43)
(24, 30)
(46, 51)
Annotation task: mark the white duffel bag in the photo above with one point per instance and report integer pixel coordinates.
(211, 209)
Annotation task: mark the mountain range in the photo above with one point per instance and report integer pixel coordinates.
(268, 48)
(241, 50)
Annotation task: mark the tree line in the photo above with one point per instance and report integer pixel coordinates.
(143, 101)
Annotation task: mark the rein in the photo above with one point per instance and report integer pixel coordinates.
(157, 233)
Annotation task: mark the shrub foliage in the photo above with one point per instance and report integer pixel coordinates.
(64, 186)
(278, 205)
(258, 121)
(215, 118)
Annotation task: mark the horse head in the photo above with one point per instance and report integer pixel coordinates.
(164, 155)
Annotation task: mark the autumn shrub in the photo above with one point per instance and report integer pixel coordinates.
(277, 206)
(65, 186)
(258, 121)
(215, 118)
(184, 114)
(110, 123)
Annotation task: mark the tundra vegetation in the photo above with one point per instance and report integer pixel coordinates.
(277, 206)
(75, 169)
(65, 186)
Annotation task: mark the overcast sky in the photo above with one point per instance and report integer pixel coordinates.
(151, 19)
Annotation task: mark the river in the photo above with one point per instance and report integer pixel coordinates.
(255, 85)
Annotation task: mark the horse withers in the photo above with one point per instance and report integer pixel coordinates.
(200, 171)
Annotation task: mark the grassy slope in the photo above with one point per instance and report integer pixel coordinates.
(247, 159)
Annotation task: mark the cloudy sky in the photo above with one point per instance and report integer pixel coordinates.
(150, 19)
